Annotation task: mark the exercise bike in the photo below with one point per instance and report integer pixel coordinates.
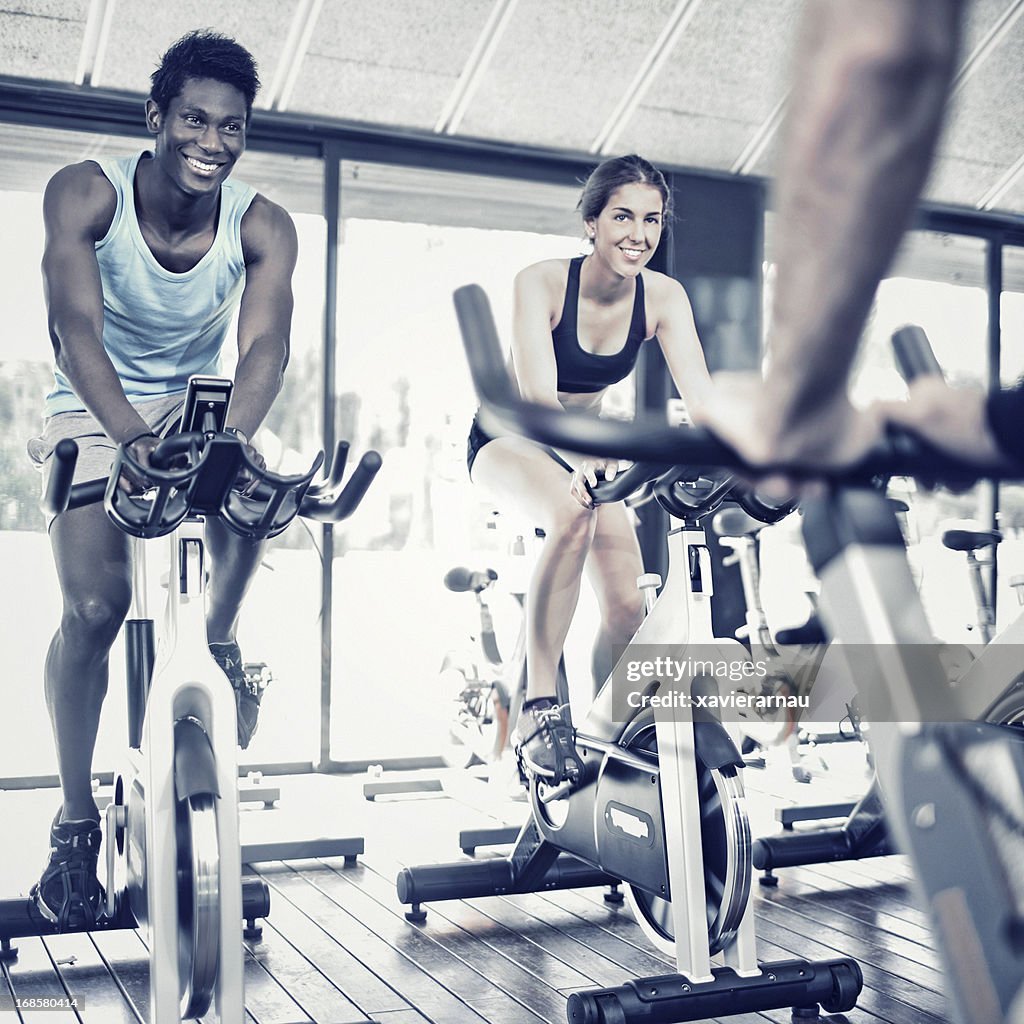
(173, 864)
(795, 659)
(954, 788)
(489, 686)
(657, 802)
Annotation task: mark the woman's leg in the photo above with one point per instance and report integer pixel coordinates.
(523, 478)
(612, 567)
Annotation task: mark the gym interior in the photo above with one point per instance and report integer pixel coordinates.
(420, 147)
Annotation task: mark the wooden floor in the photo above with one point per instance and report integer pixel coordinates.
(338, 950)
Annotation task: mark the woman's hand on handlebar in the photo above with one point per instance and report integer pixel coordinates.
(587, 475)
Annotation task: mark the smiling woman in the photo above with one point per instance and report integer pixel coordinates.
(578, 329)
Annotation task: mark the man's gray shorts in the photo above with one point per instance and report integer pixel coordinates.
(96, 451)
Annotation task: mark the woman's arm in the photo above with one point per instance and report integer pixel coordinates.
(677, 336)
(533, 353)
(537, 296)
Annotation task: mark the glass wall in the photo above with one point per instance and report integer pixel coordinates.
(288, 585)
(1011, 313)
(410, 237)
(938, 283)
(280, 624)
(29, 598)
(1011, 371)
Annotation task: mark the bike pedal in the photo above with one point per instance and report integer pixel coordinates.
(257, 675)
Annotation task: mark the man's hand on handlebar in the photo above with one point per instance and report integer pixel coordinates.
(954, 420)
(141, 449)
(740, 410)
(246, 482)
(589, 472)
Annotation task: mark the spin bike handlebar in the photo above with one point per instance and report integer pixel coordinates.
(688, 492)
(650, 439)
(205, 485)
(914, 355)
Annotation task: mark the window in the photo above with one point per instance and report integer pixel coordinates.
(1011, 496)
(410, 237)
(30, 611)
(937, 281)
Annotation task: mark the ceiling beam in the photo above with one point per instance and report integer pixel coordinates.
(762, 137)
(991, 199)
(94, 42)
(680, 17)
(989, 44)
(296, 45)
(461, 96)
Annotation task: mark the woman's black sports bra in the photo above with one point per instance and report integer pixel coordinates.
(580, 371)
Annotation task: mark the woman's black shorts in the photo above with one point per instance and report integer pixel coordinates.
(478, 437)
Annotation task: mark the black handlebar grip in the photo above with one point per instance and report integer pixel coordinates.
(914, 354)
(338, 464)
(359, 483)
(765, 511)
(626, 483)
(330, 485)
(177, 444)
(333, 508)
(58, 487)
(479, 338)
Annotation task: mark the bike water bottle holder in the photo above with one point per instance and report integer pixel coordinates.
(271, 504)
(205, 486)
(688, 494)
(766, 512)
(168, 493)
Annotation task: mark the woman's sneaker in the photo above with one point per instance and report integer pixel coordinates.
(69, 894)
(248, 689)
(544, 742)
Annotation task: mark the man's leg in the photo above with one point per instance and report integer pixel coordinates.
(233, 564)
(93, 568)
(94, 571)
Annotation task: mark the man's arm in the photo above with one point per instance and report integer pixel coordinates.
(868, 98)
(264, 318)
(78, 207)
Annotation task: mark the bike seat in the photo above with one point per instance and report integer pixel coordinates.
(460, 579)
(970, 540)
(734, 522)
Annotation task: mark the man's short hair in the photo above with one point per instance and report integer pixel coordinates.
(204, 54)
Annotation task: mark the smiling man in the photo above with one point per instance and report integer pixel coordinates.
(147, 260)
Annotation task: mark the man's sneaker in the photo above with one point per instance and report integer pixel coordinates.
(248, 689)
(544, 742)
(69, 894)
